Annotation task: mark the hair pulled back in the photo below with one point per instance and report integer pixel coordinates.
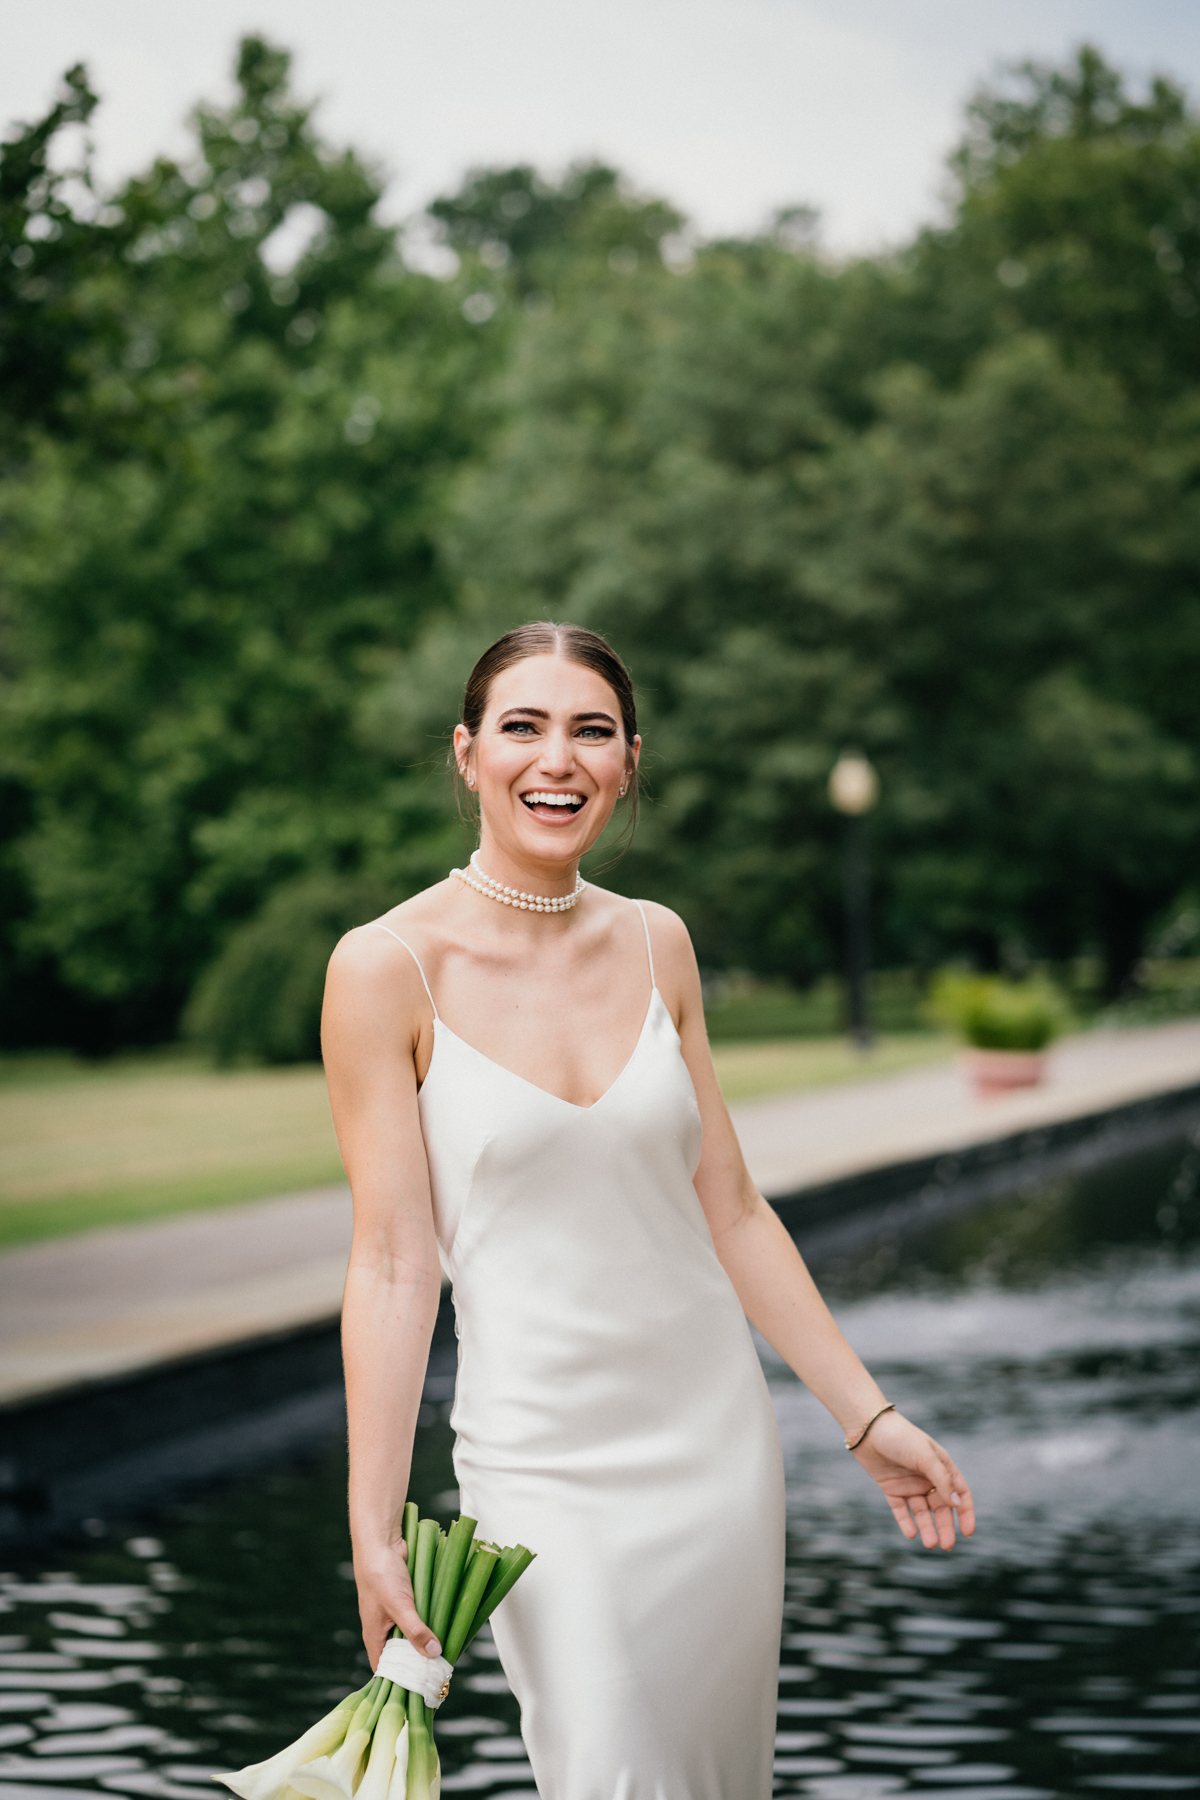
(577, 645)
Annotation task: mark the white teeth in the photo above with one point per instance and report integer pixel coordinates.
(552, 799)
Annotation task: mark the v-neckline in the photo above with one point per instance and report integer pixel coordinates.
(439, 1024)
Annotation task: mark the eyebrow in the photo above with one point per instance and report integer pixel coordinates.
(539, 712)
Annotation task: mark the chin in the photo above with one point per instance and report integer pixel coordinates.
(554, 840)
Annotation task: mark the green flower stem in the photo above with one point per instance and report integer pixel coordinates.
(475, 1580)
(422, 1574)
(412, 1519)
(439, 1561)
(366, 1706)
(448, 1576)
(379, 1702)
(422, 1757)
(511, 1565)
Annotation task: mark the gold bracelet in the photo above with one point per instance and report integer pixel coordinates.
(890, 1407)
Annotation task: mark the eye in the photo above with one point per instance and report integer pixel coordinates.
(596, 731)
(517, 727)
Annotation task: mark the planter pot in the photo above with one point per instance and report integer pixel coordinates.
(993, 1072)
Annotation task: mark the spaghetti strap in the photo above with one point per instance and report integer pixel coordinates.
(376, 926)
(649, 951)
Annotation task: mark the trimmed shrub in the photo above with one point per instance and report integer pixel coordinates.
(994, 1014)
(260, 1001)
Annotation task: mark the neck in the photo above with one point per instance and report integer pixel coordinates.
(540, 876)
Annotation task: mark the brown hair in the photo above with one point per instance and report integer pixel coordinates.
(577, 645)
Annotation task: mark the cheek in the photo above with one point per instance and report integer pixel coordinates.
(502, 759)
(605, 756)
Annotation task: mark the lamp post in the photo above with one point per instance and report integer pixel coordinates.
(853, 790)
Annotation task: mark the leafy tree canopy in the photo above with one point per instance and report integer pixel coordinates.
(230, 521)
(265, 493)
(541, 232)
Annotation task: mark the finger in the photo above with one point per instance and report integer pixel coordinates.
(937, 1506)
(410, 1622)
(918, 1505)
(965, 1503)
(946, 1469)
(397, 1609)
(943, 1518)
(942, 1476)
(901, 1516)
(955, 1492)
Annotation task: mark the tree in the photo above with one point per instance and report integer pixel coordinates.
(542, 234)
(943, 510)
(1077, 217)
(212, 555)
(271, 492)
(1033, 564)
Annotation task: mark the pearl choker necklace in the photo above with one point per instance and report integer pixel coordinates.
(474, 877)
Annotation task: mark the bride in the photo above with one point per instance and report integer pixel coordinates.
(521, 1082)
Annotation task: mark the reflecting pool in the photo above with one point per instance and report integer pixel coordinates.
(1052, 1341)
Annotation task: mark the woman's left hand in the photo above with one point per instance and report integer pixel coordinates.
(922, 1486)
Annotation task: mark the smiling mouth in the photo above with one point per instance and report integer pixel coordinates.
(545, 803)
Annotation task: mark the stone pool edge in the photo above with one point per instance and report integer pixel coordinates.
(126, 1439)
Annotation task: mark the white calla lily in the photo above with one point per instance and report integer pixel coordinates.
(334, 1777)
(398, 1785)
(271, 1780)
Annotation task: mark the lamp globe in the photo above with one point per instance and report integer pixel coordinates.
(853, 785)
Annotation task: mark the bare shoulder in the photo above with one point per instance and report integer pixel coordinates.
(674, 958)
(667, 930)
(380, 958)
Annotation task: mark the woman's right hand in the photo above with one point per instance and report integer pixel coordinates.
(385, 1598)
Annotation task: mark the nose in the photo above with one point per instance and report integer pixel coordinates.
(558, 753)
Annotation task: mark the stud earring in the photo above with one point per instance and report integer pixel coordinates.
(624, 785)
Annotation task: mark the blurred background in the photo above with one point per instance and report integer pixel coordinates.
(842, 364)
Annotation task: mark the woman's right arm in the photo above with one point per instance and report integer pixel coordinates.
(370, 1027)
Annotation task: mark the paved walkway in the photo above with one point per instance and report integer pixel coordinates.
(798, 1140)
(78, 1309)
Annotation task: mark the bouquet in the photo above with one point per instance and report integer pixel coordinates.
(377, 1743)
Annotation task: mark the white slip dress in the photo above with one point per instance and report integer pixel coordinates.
(610, 1413)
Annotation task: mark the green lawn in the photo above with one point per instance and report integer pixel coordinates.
(751, 1071)
(85, 1144)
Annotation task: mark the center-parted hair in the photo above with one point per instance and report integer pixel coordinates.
(577, 645)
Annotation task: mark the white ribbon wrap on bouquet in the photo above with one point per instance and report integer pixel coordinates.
(409, 1668)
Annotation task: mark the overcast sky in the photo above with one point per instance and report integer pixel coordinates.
(730, 108)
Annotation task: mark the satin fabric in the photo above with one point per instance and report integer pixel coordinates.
(611, 1413)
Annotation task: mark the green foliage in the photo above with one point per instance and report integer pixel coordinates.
(740, 1008)
(902, 508)
(543, 235)
(262, 506)
(207, 570)
(55, 261)
(1090, 196)
(994, 1014)
(260, 1001)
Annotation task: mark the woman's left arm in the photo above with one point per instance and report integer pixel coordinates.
(922, 1485)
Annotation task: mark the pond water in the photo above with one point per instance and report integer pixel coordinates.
(1052, 1341)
